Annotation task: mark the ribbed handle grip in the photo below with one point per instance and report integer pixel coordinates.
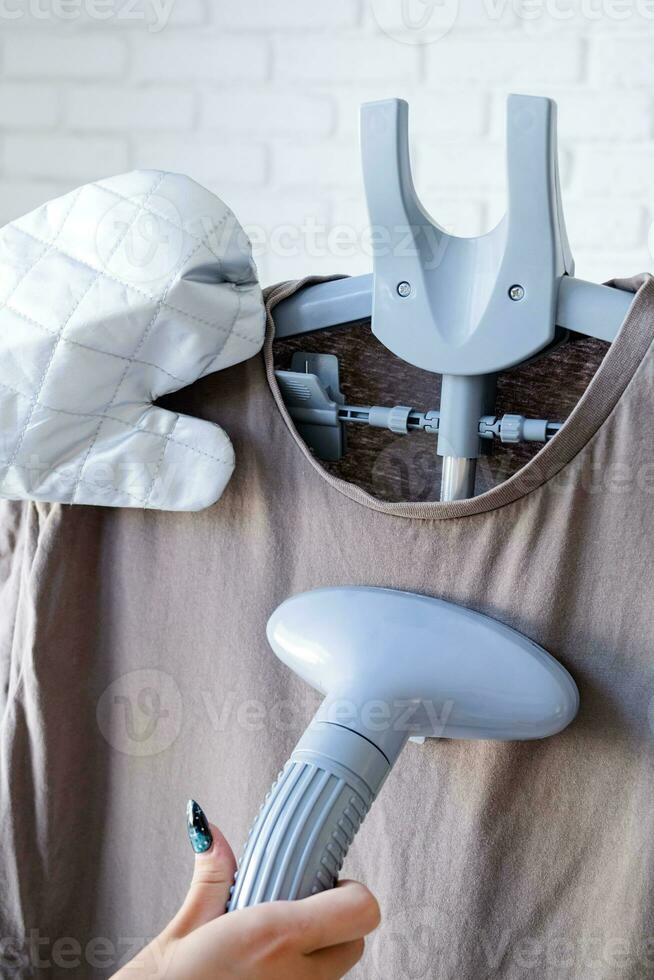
(308, 821)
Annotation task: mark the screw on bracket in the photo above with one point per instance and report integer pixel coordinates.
(516, 292)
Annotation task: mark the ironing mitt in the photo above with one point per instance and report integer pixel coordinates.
(110, 297)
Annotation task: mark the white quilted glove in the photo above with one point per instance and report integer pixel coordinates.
(110, 297)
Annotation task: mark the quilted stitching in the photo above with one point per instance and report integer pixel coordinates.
(166, 218)
(76, 379)
(118, 244)
(133, 428)
(132, 288)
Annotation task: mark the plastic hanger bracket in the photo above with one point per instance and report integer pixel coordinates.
(465, 308)
(311, 392)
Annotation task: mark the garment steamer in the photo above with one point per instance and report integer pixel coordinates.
(392, 665)
(395, 665)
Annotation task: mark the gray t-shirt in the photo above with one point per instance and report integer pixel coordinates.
(135, 673)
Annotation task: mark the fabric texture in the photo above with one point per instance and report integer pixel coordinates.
(136, 674)
(110, 297)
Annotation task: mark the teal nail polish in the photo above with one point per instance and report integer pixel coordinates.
(198, 828)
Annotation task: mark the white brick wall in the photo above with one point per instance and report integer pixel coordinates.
(28, 106)
(119, 108)
(513, 61)
(287, 15)
(73, 159)
(258, 99)
(194, 57)
(41, 55)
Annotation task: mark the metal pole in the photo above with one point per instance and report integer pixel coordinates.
(464, 400)
(458, 478)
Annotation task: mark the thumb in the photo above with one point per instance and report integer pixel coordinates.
(213, 874)
(193, 460)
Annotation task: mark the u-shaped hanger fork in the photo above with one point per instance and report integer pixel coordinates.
(466, 306)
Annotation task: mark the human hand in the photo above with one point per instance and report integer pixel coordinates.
(317, 938)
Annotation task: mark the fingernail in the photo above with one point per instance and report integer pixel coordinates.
(198, 828)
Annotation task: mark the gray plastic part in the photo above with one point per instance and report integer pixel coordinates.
(584, 307)
(464, 400)
(311, 391)
(516, 428)
(591, 309)
(307, 823)
(320, 419)
(396, 419)
(424, 276)
(462, 318)
(463, 307)
(533, 430)
(393, 666)
(325, 304)
(325, 366)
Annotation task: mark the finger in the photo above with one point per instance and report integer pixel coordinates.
(346, 913)
(336, 961)
(213, 875)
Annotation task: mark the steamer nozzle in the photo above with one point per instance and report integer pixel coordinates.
(392, 665)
